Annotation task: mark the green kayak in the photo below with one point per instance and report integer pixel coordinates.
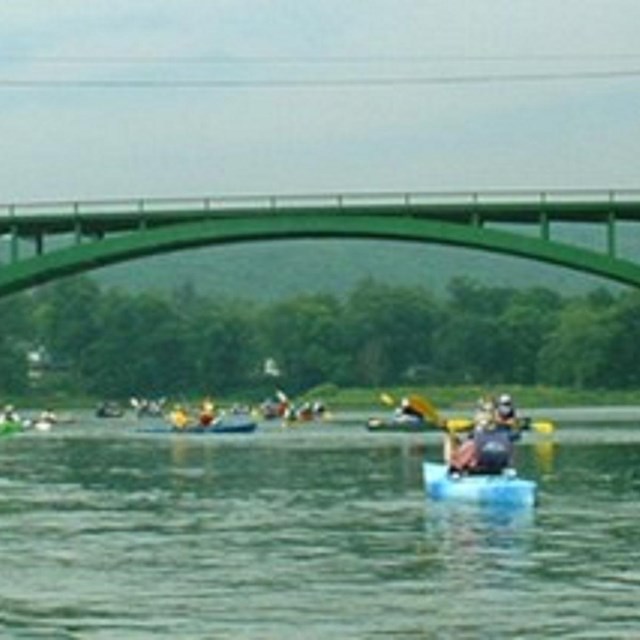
(9, 428)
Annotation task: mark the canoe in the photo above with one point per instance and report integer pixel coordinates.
(381, 425)
(504, 489)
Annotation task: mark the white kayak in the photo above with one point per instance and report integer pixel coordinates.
(502, 489)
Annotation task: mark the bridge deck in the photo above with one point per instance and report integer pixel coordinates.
(513, 207)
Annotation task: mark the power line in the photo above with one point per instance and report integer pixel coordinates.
(329, 83)
(294, 60)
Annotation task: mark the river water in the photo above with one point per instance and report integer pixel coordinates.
(314, 532)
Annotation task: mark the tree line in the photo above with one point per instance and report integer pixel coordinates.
(108, 343)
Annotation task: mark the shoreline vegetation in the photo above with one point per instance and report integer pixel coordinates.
(459, 398)
(463, 398)
(72, 341)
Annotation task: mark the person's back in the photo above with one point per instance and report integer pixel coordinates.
(493, 450)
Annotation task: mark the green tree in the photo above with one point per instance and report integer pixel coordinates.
(15, 340)
(623, 348)
(388, 331)
(472, 349)
(222, 347)
(575, 352)
(525, 323)
(140, 350)
(66, 318)
(304, 336)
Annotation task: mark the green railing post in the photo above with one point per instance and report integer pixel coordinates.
(14, 257)
(611, 234)
(476, 219)
(142, 222)
(77, 225)
(545, 227)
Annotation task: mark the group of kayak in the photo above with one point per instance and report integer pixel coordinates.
(12, 422)
(478, 454)
(281, 406)
(207, 419)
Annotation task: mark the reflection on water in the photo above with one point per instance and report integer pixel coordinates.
(309, 533)
(544, 450)
(474, 543)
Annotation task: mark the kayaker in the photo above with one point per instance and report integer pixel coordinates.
(9, 414)
(48, 415)
(318, 409)
(407, 413)
(489, 449)
(507, 418)
(179, 417)
(485, 412)
(505, 411)
(305, 412)
(207, 412)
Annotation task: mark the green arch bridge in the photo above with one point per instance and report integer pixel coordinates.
(44, 241)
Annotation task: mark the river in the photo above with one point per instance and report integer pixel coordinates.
(321, 531)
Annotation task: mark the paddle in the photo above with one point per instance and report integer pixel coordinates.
(419, 404)
(426, 408)
(385, 398)
(544, 427)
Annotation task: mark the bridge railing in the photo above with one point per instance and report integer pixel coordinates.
(270, 203)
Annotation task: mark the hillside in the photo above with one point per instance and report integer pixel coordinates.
(269, 271)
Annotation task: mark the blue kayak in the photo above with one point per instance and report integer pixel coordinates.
(503, 489)
(226, 424)
(220, 427)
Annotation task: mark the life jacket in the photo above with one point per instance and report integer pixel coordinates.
(494, 450)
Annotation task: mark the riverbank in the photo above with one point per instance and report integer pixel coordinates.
(459, 399)
(463, 398)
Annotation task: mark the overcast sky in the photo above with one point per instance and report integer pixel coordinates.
(452, 102)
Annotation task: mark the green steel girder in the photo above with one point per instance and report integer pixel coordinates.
(145, 242)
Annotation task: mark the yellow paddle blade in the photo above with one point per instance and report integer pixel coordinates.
(544, 427)
(459, 424)
(423, 406)
(385, 398)
(545, 451)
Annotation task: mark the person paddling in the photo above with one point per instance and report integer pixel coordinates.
(489, 449)
(207, 412)
(179, 417)
(407, 412)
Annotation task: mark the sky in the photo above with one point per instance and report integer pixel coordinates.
(190, 98)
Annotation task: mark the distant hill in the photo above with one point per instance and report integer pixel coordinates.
(268, 271)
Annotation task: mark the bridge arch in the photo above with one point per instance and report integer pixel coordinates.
(141, 242)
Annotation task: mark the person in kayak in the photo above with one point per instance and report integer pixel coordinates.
(507, 419)
(9, 414)
(406, 412)
(489, 449)
(505, 411)
(207, 412)
(179, 417)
